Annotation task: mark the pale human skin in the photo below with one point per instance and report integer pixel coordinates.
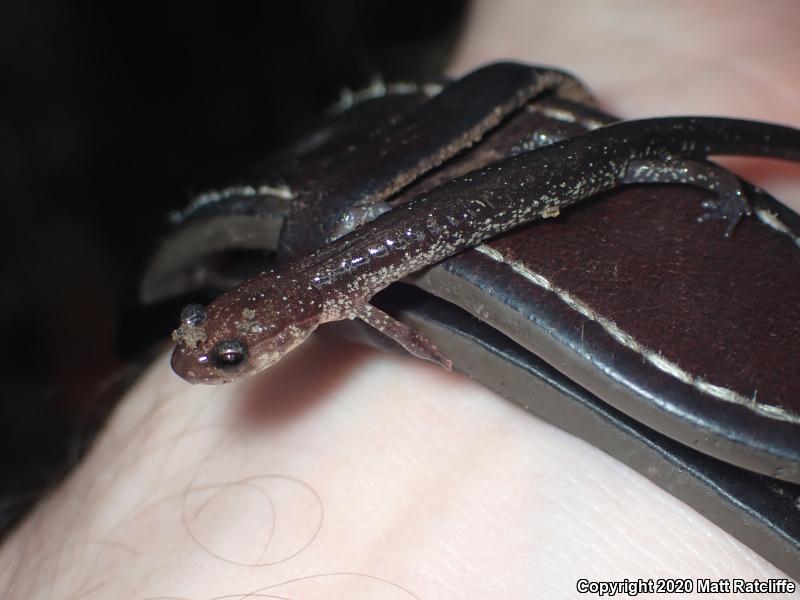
(425, 484)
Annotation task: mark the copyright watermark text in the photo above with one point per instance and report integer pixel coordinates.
(634, 587)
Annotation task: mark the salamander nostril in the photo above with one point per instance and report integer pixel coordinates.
(230, 355)
(193, 315)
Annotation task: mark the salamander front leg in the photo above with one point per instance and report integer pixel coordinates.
(408, 338)
(730, 203)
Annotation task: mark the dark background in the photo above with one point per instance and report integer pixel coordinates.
(110, 115)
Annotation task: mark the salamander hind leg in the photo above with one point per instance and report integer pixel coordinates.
(408, 338)
(730, 203)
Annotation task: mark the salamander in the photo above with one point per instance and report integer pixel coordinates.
(252, 326)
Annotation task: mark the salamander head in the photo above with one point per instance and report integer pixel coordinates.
(244, 331)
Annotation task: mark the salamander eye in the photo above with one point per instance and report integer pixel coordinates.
(230, 355)
(193, 315)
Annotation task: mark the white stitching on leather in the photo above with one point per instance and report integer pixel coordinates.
(379, 88)
(770, 219)
(212, 196)
(654, 358)
(566, 116)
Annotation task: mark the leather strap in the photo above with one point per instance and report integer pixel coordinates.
(624, 322)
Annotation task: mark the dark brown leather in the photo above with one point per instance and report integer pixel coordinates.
(418, 140)
(694, 335)
(649, 310)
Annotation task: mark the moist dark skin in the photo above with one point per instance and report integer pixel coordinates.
(255, 324)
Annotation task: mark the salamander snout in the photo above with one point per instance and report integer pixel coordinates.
(244, 331)
(197, 358)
